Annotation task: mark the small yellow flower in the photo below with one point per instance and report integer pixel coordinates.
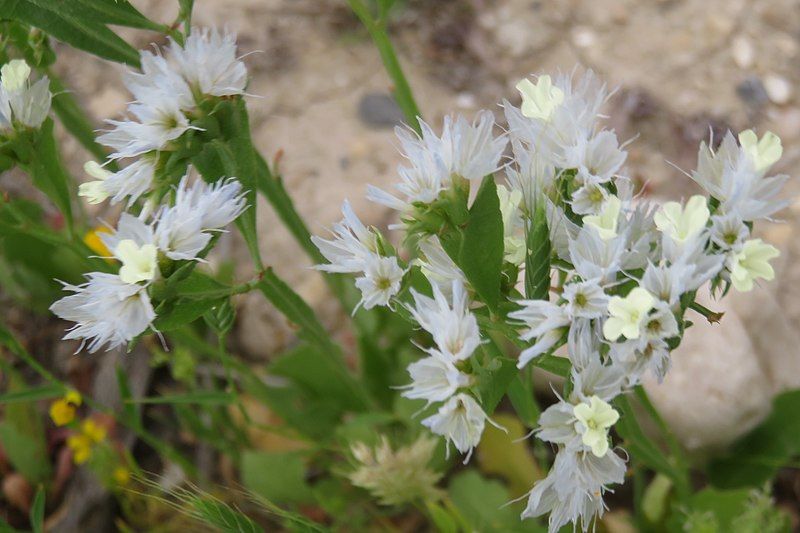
(81, 447)
(92, 431)
(121, 475)
(605, 223)
(62, 411)
(95, 244)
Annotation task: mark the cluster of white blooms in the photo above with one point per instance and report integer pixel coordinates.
(22, 103)
(167, 93)
(624, 270)
(176, 222)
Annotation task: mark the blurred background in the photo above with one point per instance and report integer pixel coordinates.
(684, 70)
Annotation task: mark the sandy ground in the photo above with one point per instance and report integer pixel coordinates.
(683, 68)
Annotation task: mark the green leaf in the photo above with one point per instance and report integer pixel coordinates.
(637, 443)
(48, 173)
(483, 504)
(297, 311)
(537, 256)
(725, 505)
(33, 394)
(521, 394)
(184, 311)
(481, 251)
(757, 456)
(278, 477)
(193, 398)
(37, 511)
(76, 23)
(199, 286)
(441, 518)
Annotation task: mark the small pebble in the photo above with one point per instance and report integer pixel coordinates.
(752, 92)
(778, 89)
(743, 52)
(379, 110)
(583, 37)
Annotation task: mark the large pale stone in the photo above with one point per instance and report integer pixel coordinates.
(716, 390)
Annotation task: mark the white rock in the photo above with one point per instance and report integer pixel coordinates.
(716, 390)
(743, 52)
(778, 88)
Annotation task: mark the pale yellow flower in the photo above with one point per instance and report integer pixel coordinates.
(763, 152)
(752, 263)
(139, 263)
(680, 223)
(596, 417)
(605, 223)
(541, 99)
(627, 314)
(15, 74)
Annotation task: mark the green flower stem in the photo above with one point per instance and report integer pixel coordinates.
(682, 484)
(712, 316)
(377, 28)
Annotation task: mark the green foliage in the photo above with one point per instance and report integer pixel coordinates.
(483, 504)
(480, 254)
(537, 255)
(278, 477)
(757, 456)
(22, 436)
(37, 511)
(83, 23)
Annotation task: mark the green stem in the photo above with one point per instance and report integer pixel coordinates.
(377, 28)
(712, 316)
(683, 485)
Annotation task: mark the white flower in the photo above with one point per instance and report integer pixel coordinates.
(543, 321)
(589, 199)
(182, 230)
(466, 150)
(728, 231)
(627, 314)
(764, 152)
(752, 263)
(597, 159)
(595, 418)
(682, 224)
(585, 299)
(209, 63)
(21, 101)
(437, 266)
(461, 421)
(157, 124)
(594, 257)
(453, 328)
(660, 323)
(605, 222)
(539, 100)
(434, 378)
(132, 181)
(730, 176)
(573, 489)
(381, 280)
(129, 228)
(158, 81)
(352, 246)
(533, 173)
(106, 310)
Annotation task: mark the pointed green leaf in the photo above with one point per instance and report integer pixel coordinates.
(481, 252)
(537, 256)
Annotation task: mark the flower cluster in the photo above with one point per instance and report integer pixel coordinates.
(174, 222)
(22, 104)
(622, 271)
